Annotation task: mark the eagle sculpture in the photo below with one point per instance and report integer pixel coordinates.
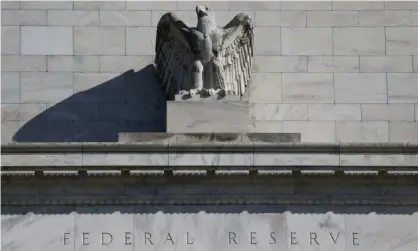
(204, 60)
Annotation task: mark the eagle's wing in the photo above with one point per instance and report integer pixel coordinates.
(175, 51)
(236, 53)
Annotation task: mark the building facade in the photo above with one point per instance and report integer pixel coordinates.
(320, 154)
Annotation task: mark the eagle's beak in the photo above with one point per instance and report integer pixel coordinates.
(200, 10)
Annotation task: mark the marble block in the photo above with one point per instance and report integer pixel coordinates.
(95, 231)
(207, 116)
(280, 159)
(382, 232)
(223, 228)
(37, 232)
(316, 232)
(211, 159)
(133, 159)
(208, 137)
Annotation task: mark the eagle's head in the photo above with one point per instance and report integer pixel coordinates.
(203, 10)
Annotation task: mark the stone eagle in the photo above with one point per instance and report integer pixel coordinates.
(204, 59)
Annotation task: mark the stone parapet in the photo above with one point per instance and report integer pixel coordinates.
(206, 154)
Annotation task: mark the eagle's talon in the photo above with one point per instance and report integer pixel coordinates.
(213, 92)
(193, 92)
(184, 93)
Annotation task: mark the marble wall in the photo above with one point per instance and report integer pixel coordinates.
(276, 212)
(123, 228)
(334, 71)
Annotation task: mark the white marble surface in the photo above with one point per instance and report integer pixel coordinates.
(190, 116)
(130, 159)
(337, 53)
(228, 228)
(218, 159)
(211, 159)
(379, 160)
(383, 232)
(41, 159)
(316, 232)
(277, 159)
(103, 231)
(36, 232)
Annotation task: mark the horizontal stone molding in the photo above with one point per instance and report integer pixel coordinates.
(216, 200)
(207, 154)
(215, 147)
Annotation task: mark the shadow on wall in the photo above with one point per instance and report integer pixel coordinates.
(130, 102)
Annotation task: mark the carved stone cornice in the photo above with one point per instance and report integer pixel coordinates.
(215, 147)
(209, 188)
(242, 154)
(288, 200)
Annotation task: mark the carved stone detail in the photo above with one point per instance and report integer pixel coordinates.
(204, 59)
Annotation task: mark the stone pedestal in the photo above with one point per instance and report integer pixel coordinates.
(207, 114)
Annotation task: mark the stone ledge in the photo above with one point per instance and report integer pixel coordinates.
(211, 146)
(97, 200)
(193, 163)
(223, 153)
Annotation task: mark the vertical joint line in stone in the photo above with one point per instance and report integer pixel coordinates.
(99, 64)
(333, 84)
(46, 13)
(332, 41)
(388, 131)
(306, 18)
(20, 40)
(281, 87)
(74, 220)
(387, 88)
(281, 40)
(335, 132)
(345, 228)
(385, 41)
(73, 41)
(361, 112)
(20, 86)
(358, 18)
